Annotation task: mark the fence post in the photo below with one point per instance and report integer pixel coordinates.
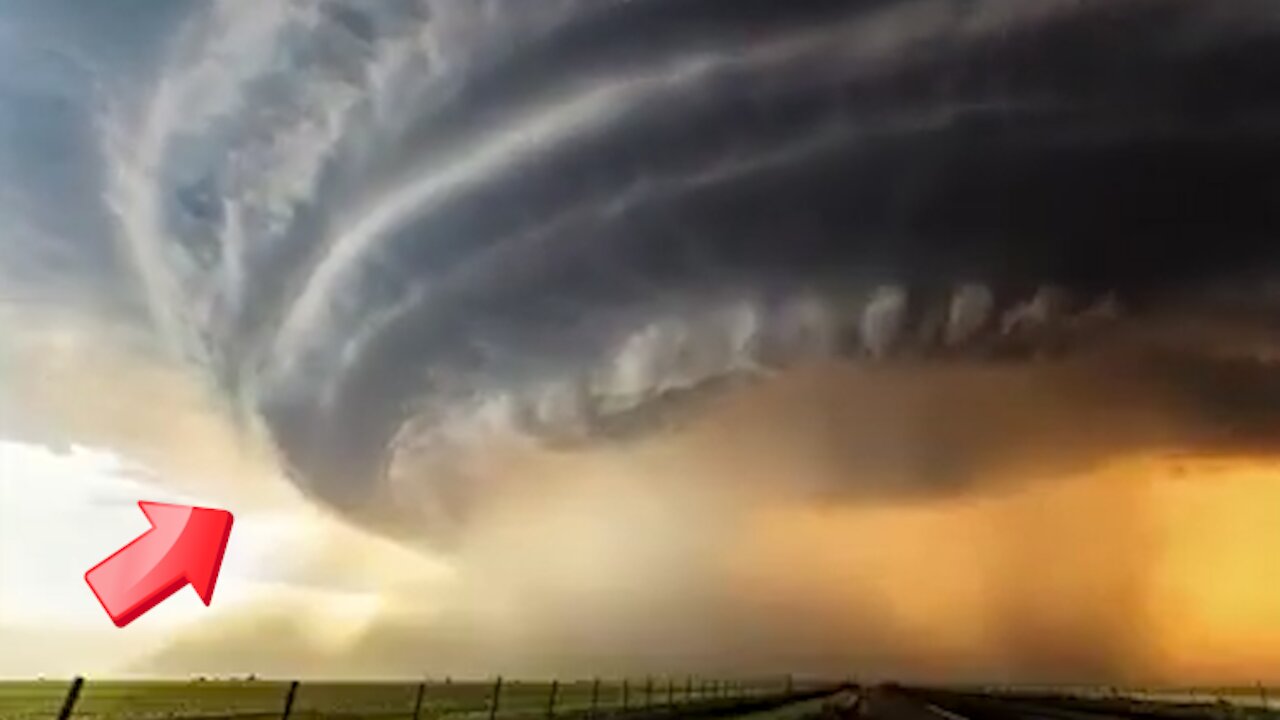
(497, 695)
(626, 693)
(288, 700)
(595, 697)
(648, 693)
(417, 704)
(1262, 691)
(73, 695)
(551, 700)
(688, 689)
(671, 696)
(790, 686)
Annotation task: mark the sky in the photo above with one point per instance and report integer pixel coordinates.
(925, 339)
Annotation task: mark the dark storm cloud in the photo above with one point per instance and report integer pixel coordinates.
(625, 204)
(397, 231)
(734, 333)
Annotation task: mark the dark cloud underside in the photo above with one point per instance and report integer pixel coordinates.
(397, 232)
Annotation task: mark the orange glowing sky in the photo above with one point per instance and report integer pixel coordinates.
(754, 538)
(1161, 566)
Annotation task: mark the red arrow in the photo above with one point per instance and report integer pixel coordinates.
(184, 545)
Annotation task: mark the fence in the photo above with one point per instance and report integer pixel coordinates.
(488, 700)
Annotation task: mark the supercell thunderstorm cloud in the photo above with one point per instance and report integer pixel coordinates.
(825, 275)
(396, 230)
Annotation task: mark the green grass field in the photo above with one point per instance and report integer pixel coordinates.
(1241, 696)
(263, 699)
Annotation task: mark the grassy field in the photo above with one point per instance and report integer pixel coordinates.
(1242, 696)
(263, 699)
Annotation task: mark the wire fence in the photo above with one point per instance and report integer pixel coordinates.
(255, 699)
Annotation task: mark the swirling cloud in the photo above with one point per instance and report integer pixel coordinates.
(901, 249)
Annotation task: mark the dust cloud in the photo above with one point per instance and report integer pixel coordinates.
(1074, 534)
